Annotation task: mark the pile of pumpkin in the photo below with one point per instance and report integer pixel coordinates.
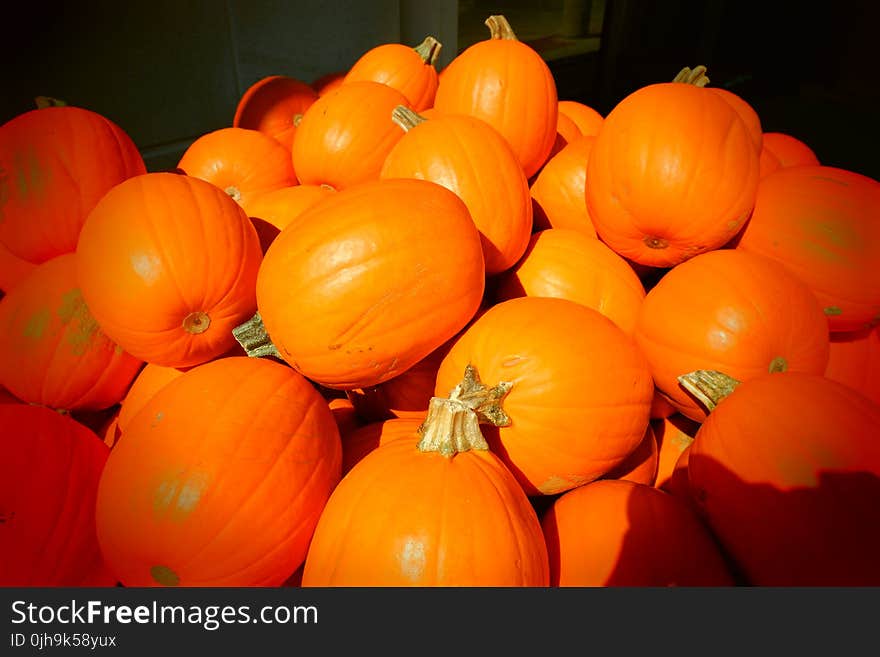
(410, 328)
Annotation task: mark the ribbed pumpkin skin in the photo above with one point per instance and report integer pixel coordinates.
(789, 150)
(673, 173)
(148, 382)
(568, 264)
(452, 151)
(370, 281)
(59, 161)
(158, 248)
(219, 479)
(48, 481)
(588, 120)
(731, 311)
(559, 191)
(823, 224)
(746, 113)
(508, 85)
(580, 396)
(786, 471)
(53, 352)
(271, 105)
(622, 533)
(346, 134)
(406, 518)
(242, 162)
(400, 67)
(854, 360)
(368, 437)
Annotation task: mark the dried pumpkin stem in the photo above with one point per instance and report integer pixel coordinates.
(708, 386)
(42, 102)
(405, 118)
(429, 50)
(499, 28)
(450, 428)
(485, 401)
(254, 339)
(696, 76)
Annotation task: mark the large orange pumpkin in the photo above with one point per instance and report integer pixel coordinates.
(53, 352)
(219, 479)
(673, 173)
(453, 151)
(566, 393)
(568, 264)
(346, 134)
(57, 163)
(242, 162)
(559, 190)
(409, 70)
(823, 224)
(442, 510)
(733, 311)
(274, 105)
(48, 483)
(786, 471)
(622, 533)
(167, 265)
(370, 281)
(506, 83)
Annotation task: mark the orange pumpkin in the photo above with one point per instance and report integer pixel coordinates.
(641, 465)
(823, 224)
(566, 132)
(673, 173)
(409, 70)
(346, 134)
(746, 113)
(854, 360)
(786, 471)
(220, 478)
(12, 270)
(566, 393)
(167, 265)
(789, 150)
(559, 191)
(243, 163)
(344, 413)
(508, 85)
(767, 162)
(57, 162)
(733, 311)
(568, 264)
(370, 281)
(274, 105)
(48, 482)
(450, 150)
(674, 435)
(588, 120)
(53, 352)
(439, 511)
(621, 533)
(272, 211)
(328, 82)
(367, 437)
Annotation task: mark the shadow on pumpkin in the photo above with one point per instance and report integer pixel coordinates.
(825, 534)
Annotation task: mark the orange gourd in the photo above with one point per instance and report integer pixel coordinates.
(854, 360)
(733, 311)
(272, 211)
(367, 437)
(568, 264)
(53, 352)
(242, 162)
(409, 70)
(442, 510)
(789, 150)
(167, 265)
(346, 134)
(588, 120)
(823, 224)
(767, 162)
(274, 105)
(673, 173)
(450, 151)
(621, 533)
(57, 162)
(219, 479)
(641, 465)
(786, 471)
(566, 132)
(368, 282)
(507, 84)
(674, 435)
(564, 393)
(559, 191)
(328, 82)
(746, 113)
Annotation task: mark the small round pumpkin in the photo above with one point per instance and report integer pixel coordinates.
(272, 211)
(588, 120)
(622, 533)
(641, 465)
(674, 434)
(53, 351)
(559, 191)
(367, 437)
(789, 150)
(167, 265)
(274, 105)
(219, 479)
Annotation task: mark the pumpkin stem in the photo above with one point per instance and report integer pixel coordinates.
(483, 400)
(405, 118)
(43, 102)
(429, 50)
(196, 322)
(708, 386)
(696, 77)
(499, 28)
(778, 364)
(297, 119)
(254, 339)
(450, 428)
